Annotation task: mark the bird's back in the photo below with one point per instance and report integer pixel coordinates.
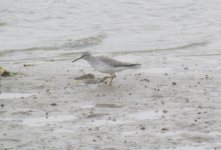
(109, 65)
(115, 63)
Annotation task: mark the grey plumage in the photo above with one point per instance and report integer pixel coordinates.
(115, 63)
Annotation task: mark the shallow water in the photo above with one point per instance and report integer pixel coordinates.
(42, 121)
(14, 95)
(144, 115)
(30, 28)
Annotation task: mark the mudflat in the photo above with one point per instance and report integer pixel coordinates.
(171, 102)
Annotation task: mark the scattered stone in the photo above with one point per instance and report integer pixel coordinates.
(46, 114)
(139, 74)
(174, 83)
(142, 127)
(165, 111)
(186, 68)
(164, 129)
(2, 105)
(166, 74)
(130, 93)
(28, 65)
(53, 104)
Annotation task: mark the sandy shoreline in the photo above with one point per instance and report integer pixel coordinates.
(171, 102)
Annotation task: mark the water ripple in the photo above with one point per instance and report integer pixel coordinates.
(85, 42)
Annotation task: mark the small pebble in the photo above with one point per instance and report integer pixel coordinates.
(164, 129)
(46, 114)
(174, 83)
(142, 127)
(53, 104)
(165, 111)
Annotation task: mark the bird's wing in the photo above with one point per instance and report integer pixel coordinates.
(115, 63)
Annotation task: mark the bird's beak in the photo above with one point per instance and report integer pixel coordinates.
(78, 59)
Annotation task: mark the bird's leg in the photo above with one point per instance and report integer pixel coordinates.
(113, 76)
(106, 78)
